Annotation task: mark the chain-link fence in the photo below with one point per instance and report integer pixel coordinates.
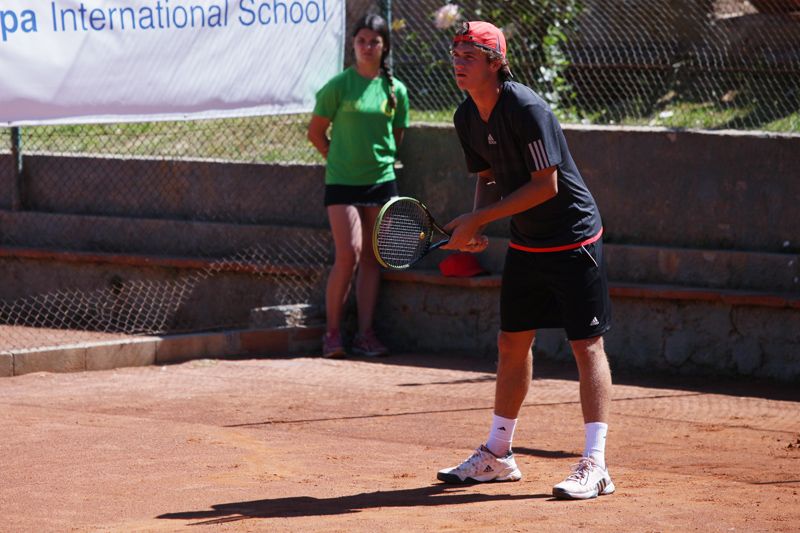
(206, 189)
(177, 226)
(700, 64)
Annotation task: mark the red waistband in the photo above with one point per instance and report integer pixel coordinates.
(572, 246)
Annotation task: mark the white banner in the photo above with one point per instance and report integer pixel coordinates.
(71, 61)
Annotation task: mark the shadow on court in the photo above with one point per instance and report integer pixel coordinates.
(545, 454)
(434, 495)
(742, 386)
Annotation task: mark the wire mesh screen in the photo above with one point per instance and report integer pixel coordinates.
(147, 306)
(179, 218)
(177, 226)
(678, 63)
(257, 139)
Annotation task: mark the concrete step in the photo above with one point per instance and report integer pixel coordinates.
(143, 293)
(282, 244)
(175, 189)
(621, 289)
(715, 269)
(151, 350)
(291, 244)
(288, 315)
(656, 327)
(654, 186)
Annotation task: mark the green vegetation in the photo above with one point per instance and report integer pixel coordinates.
(254, 139)
(697, 116)
(283, 138)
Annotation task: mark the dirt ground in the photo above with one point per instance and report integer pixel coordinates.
(306, 444)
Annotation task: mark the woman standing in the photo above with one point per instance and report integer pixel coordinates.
(369, 111)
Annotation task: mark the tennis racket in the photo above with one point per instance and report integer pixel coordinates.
(404, 232)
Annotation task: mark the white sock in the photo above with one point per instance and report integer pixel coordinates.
(596, 442)
(501, 435)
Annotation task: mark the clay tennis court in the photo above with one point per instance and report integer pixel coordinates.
(306, 444)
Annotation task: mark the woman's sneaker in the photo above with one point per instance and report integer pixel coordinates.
(482, 466)
(368, 345)
(332, 346)
(587, 480)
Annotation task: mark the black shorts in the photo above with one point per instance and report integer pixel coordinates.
(364, 195)
(567, 289)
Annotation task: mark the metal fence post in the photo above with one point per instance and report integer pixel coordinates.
(386, 13)
(16, 156)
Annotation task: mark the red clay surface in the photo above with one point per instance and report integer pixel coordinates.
(309, 444)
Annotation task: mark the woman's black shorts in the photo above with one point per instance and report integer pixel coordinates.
(364, 195)
(567, 289)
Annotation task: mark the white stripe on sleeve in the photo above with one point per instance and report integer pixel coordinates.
(539, 154)
(536, 161)
(542, 153)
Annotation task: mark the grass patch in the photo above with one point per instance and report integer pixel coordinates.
(282, 138)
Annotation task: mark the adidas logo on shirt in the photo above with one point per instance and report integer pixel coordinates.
(491, 139)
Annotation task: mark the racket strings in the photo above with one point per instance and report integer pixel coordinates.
(404, 234)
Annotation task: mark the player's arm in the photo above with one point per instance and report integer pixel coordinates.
(318, 134)
(542, 186)
(486, 193)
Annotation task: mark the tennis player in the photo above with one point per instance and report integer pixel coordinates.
(368, 107)
(554, 273)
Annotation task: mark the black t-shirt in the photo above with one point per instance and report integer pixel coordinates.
(523, 136)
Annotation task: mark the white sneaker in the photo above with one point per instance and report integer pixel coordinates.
(482, 466)
(587, 480)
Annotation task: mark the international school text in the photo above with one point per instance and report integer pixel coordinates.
(160, 15)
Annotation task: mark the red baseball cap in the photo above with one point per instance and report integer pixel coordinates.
(461, 265)
(483, 35)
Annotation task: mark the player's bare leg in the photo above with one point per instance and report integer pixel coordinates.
(494, 461)
(514, 371)
(595, 378)
(589, 477)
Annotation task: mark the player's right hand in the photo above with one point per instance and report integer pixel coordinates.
(476, 245)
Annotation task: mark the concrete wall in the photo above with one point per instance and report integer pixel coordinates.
(47, 292)
(649, 335)
(179, 190)
(704, 210)
(691, 210)
(723, 190)
(159, 236)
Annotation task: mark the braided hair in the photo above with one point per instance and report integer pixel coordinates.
(378, 24)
